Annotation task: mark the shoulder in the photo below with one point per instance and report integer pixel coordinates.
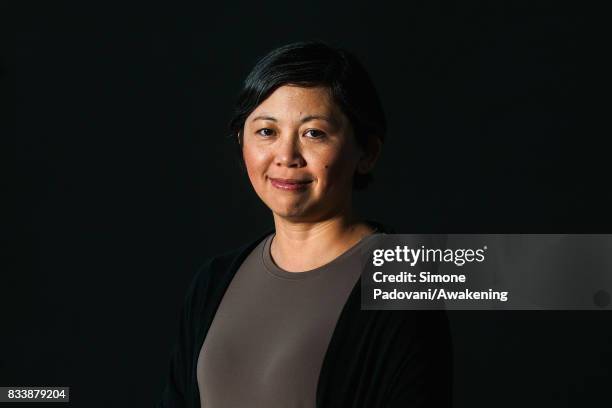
(221, 267)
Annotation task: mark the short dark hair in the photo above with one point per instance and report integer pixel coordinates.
(315, 63)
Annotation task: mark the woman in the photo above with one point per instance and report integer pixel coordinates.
(277, 322)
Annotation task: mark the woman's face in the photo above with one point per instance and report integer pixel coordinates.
(301, 154)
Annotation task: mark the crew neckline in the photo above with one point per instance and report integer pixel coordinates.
(278, 272)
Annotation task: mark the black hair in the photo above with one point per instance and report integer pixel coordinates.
(315, 63)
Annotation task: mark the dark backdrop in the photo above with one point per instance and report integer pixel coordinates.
(128, 181)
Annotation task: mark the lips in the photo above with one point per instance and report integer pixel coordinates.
(290, 184)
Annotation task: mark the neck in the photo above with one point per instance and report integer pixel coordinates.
(302, 246)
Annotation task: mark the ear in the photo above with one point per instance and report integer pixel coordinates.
(370, 155)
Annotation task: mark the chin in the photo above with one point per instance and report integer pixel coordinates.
(293, 212)
(302, 213)
(289, 212)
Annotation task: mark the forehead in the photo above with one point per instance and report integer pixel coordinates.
(290, 100)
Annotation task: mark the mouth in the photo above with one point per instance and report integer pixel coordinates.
(290, 184)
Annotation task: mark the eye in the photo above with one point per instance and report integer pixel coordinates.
(265, 132)
(315, 134)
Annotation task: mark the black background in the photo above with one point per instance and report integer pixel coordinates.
(127, 180)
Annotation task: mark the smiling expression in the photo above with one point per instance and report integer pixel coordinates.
(300, 153)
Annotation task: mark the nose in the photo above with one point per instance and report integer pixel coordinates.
(289, 152)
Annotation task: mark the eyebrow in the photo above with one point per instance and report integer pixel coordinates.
(303, 120)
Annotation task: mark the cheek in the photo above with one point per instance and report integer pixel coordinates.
(256, 162)
(337, 168)
(251, 156)
(250, 162)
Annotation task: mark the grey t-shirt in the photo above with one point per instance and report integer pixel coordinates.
(269, 336)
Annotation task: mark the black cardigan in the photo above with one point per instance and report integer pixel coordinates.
(375, 358)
